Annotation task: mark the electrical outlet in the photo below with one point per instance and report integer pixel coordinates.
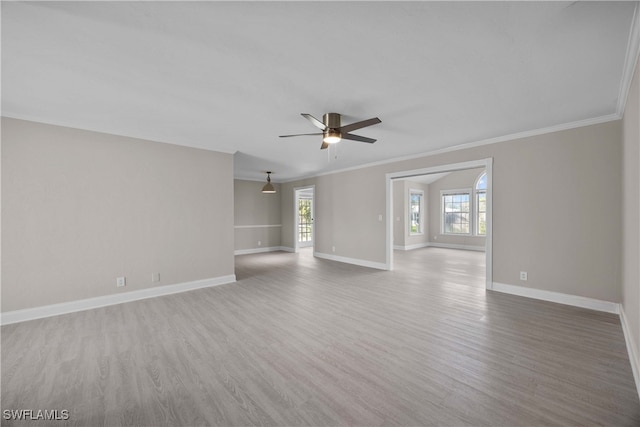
(155, 277)
(523, 275)
(379, 217)
(333, 248)
(121, 281)
(259, 243)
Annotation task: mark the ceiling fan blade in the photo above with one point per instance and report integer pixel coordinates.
(324, 145)
(317, 123)
(359, 125)
(358, 138)
(299, 134)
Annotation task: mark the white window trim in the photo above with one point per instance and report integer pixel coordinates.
(476, 214)
(296, 194)
(468, 191)
(421, 193)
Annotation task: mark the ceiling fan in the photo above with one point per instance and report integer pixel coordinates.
(333, 131)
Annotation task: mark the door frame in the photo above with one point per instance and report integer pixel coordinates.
(473, 164)
(296, 190)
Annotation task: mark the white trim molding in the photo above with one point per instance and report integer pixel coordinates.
(262, 250)
(439, 245)
(308, 192)
(354, 261)
(411, 247)
(421, 217)
(557, 297)
(257, 226)
(632, 348)
(456, 246)
(463, 146)
(106, 300)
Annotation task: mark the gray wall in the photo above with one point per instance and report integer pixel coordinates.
(453, 181)
(631, 215)
(556, 198)
(81, 208)
(399, 209)
(257, 215)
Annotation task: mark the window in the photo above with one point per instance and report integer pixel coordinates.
(481, 205)
(415, 211)
(456, 212)
(304, 220)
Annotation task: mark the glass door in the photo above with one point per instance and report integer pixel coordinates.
(305, 221)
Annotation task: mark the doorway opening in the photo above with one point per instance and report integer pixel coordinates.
(483, 228)
(304, 212)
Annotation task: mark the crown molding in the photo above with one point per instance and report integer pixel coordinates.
(63, 124)
(464, 146)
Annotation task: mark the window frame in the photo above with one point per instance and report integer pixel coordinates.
(421, 216)
(476, 208)
(308, 226)
(452, 192)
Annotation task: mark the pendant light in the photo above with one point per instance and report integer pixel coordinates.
(268, 187)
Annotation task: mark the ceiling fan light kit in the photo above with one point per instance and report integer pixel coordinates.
(333, 131)
(331, 136)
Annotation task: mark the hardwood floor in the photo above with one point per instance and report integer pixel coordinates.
(305, 341)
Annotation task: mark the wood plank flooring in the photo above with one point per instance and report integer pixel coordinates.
(305, 341)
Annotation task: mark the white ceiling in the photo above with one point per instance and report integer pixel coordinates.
(232, 76)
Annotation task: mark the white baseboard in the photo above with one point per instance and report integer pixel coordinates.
(455, 246)
(90, 303)
(262, 250)
(411, 247)
(439, 245)
(632, 349)
(557, 297)
(355, 261)
(256, 250)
